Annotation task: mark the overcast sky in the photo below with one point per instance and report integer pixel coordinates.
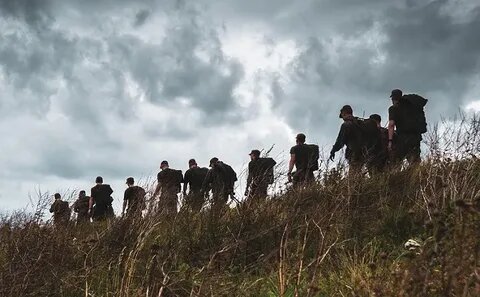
(113, 87)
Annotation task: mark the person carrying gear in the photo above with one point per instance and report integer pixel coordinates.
(100, 205)
(260, 175)
(360, 137)
(81, 208)
(60, 210)
(406, 118)
(378, 159)
(169, 185)
(133, 199)
(193, 179)
(304, 157)
(220, 180)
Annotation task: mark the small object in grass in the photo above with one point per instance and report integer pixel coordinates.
(412, 245)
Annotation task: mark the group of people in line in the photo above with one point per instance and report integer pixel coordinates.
(367, 144)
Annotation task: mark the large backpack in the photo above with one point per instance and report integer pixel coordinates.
(367, 134)
(414, 120)
(266, 168)
(313, 156)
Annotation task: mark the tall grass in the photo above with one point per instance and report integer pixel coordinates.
(342, 236)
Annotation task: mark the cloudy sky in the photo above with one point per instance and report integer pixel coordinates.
(113, 87)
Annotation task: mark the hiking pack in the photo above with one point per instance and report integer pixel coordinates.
(367, 132)
(414, 120)
(266, 167)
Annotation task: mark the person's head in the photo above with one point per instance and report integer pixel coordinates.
(254, 155)
(192, 163)
(57, 196)
(99, 180)
(301, 138)
(396, 95)
(377, 118)
(213, 161)
(164, 165)
(345, 112)
(82, 194)
(130, 181)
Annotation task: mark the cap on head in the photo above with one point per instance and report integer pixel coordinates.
(57, 196)
(130, 181)
(396, 93)
(376, 117)
(301, 137)
(99, 180)
(346, 109)
(213, 161)
(255, 153)
(163, 164)
(192, 162)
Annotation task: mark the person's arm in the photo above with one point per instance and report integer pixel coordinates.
(291, 164)
(341, 140)
(249, 178)
(185, 183)
(157, 189)
(90, 204)
(124, 207)
(52, 209)
(391, 132)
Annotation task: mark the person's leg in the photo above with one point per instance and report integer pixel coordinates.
(414, 151)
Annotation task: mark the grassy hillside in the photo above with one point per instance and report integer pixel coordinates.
(340, 237)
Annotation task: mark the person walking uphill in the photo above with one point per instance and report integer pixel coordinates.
(81, 208)
(360, 138)
(100, 206)
(260, 175)
(60, 210)
(221, 180)
(304, 157)
(378, 159)
(169, 185)
(133, 199)
(193, 180)
(406, 118)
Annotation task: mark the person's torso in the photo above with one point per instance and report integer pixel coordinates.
(301, 156)
(222, 175)
(353, 134)
(101, 194)
(196, 176)
(169, 179)
(82, 204)
(134, 195)
(402, 114)
(60, 208)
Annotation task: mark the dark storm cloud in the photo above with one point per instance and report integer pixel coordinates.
(417, 46)
(50, 65)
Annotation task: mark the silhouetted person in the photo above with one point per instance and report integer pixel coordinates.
(301, 156)
(169, 185)
(81, 208)
(377, 160)
(350, 136)
(260, 175)
(193, 180)
(407, 119)
(133, 199)
(60, 210)
(100, 205)
(220, 180)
